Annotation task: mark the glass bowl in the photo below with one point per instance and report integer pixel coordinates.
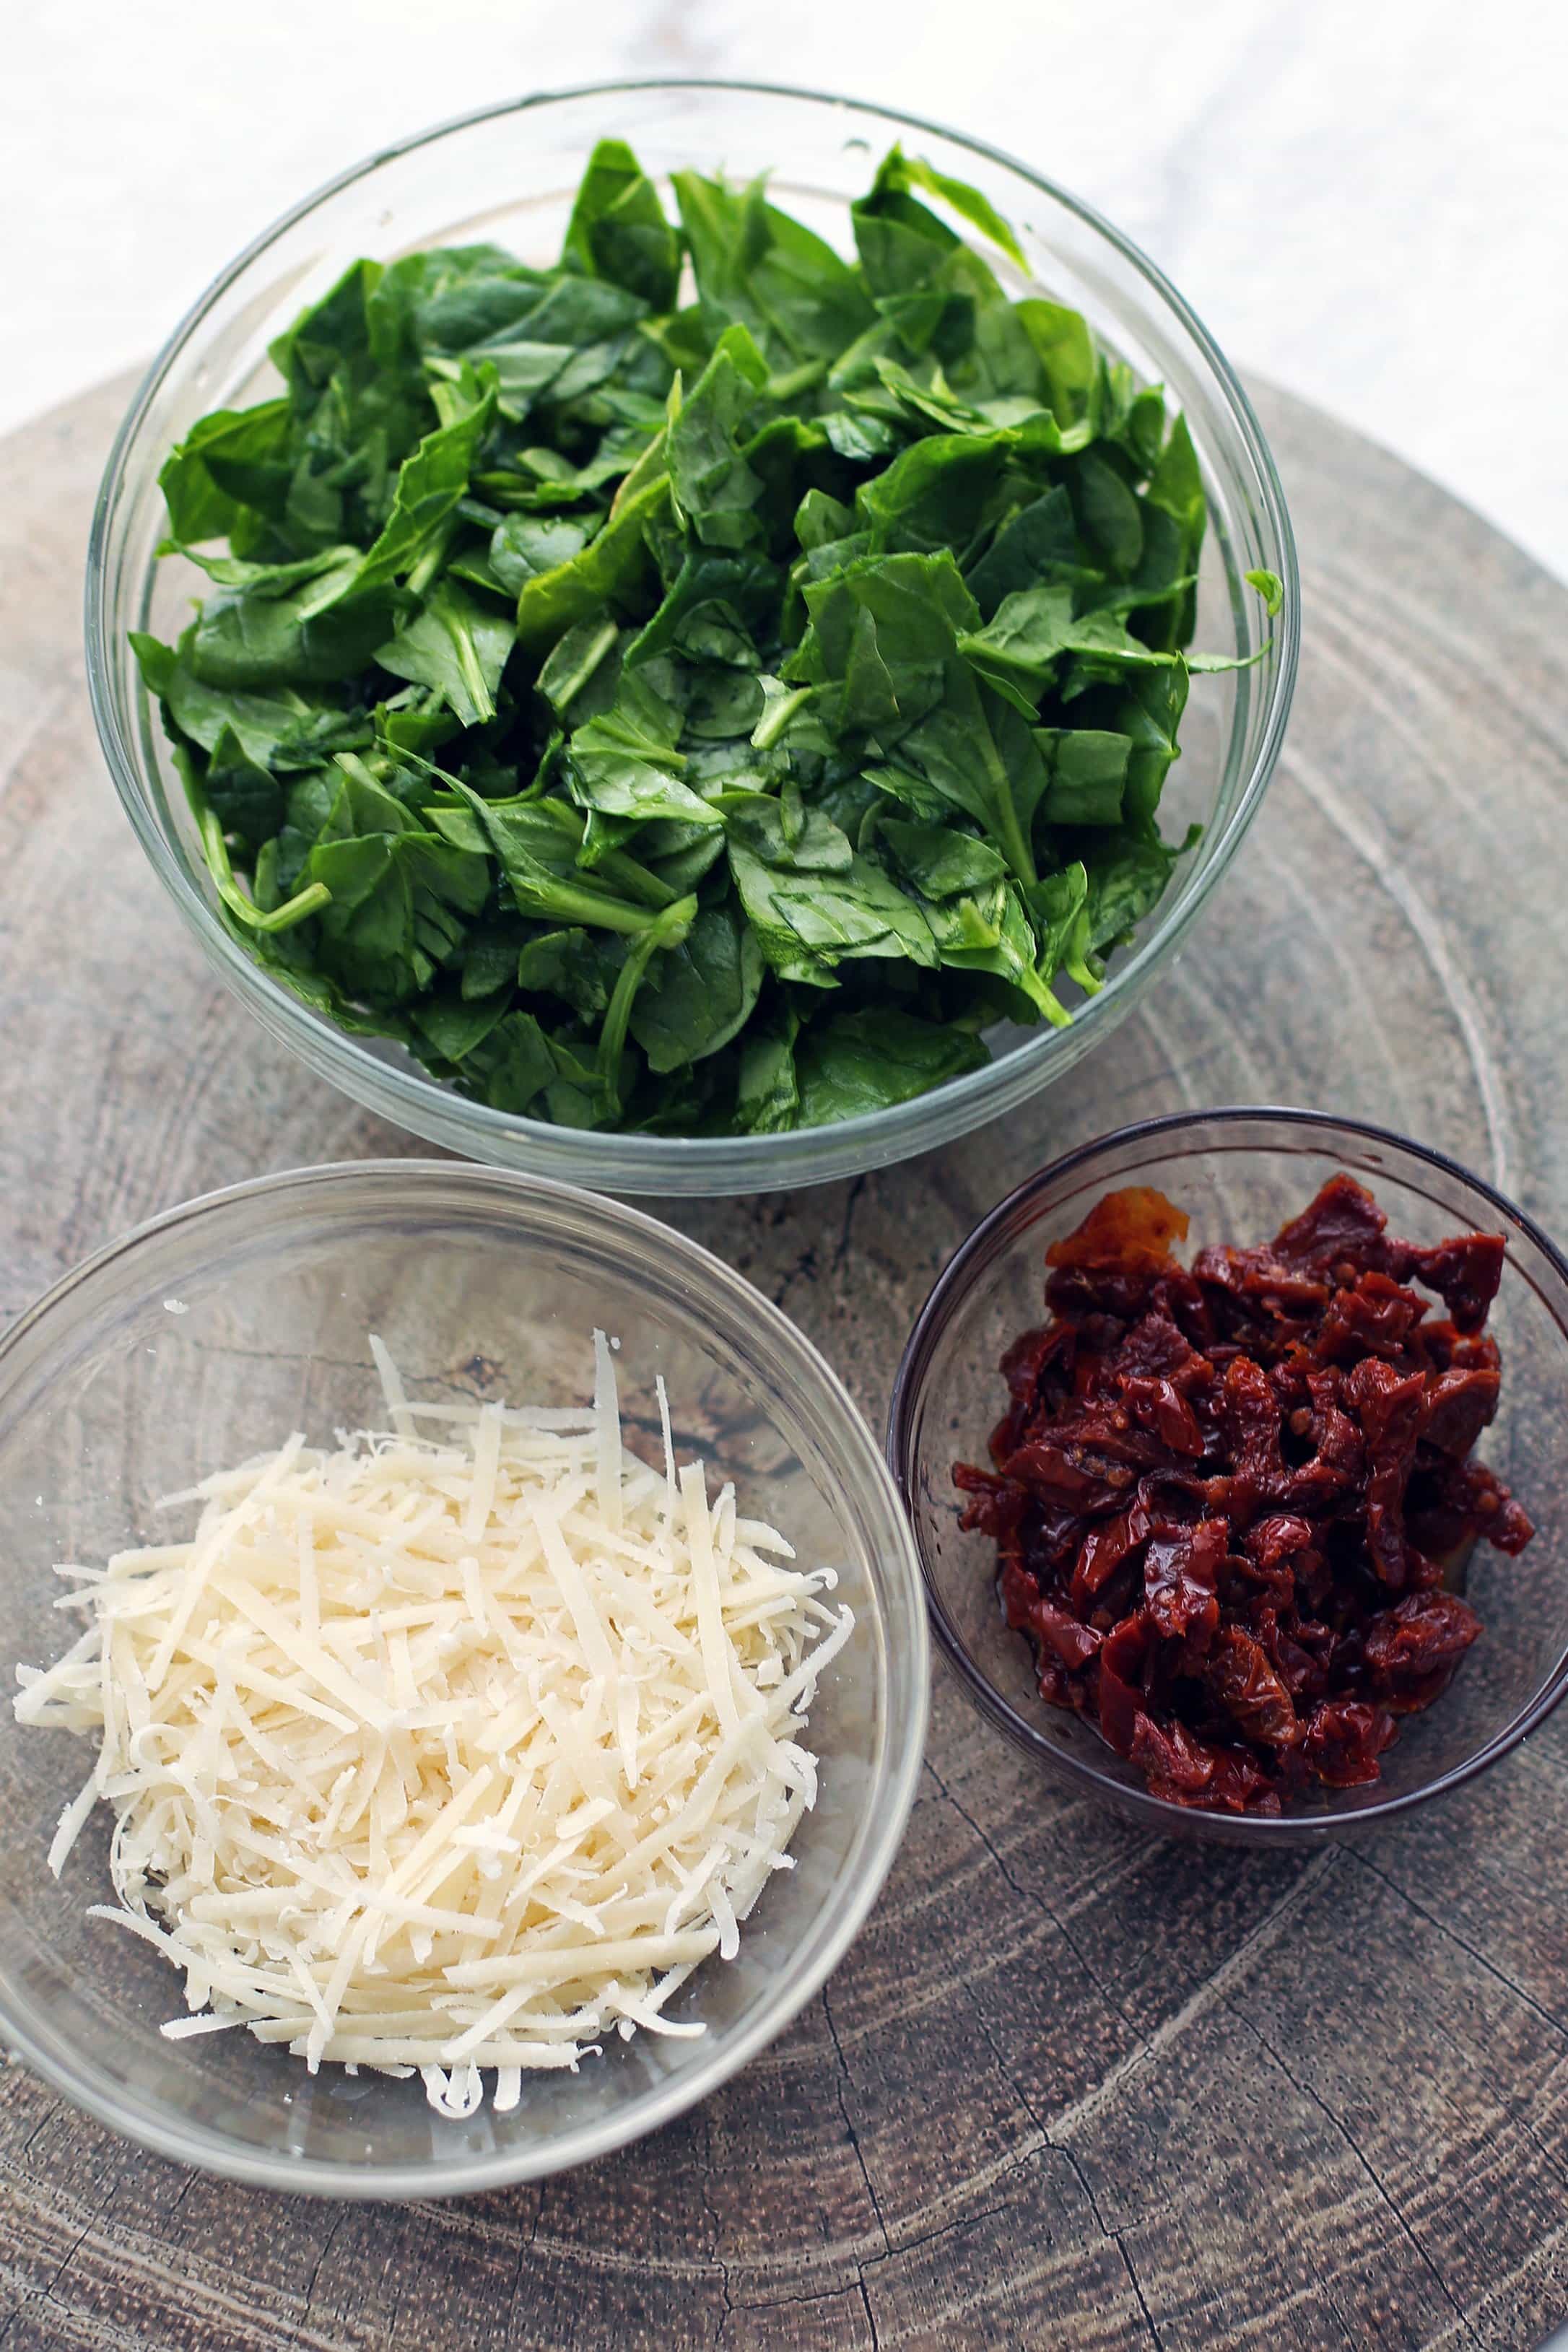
(1240, 1174)
(205, 1337)
(509, 175)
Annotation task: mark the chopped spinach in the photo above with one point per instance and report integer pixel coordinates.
(697, 719)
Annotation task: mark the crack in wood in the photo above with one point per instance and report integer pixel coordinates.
(851, 1202)
(1506, 2289)
(336, 2224)
(1337, 2124)
(1120, 2243)
(704, 2188)
(1213, 1990)
(1026, 1894)
(1447, 1929)
(843, 2085)
(1111, 2237)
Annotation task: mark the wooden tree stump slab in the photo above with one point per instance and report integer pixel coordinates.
(1074, 2086)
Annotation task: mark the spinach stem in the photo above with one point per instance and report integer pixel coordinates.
(430, 562)
(636, 880)
(214, 851)
(1020, 856)
(777, 716)
(553, 900)
(665, 931)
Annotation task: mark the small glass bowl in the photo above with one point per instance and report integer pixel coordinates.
(1240, 1174)
(508, 175)
(205, 1337)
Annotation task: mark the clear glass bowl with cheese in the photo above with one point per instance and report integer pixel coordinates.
(204, 1339)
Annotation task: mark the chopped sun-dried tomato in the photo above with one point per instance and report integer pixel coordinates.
(1223, 1500)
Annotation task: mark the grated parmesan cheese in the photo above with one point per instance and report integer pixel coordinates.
(456, 1748)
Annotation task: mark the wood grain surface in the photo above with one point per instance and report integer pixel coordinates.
(1074, 2086)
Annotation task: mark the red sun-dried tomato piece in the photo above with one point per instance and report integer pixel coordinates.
(1025, 1360)
(1277, 1537)
(1160, 1407)
(1253, 1292)
(1342, 1225)
(1065, 1475)
(1425, 1634)
(1121, 1663)
(1453, 1351)
(1300, 1656)
(1464, 1272)
(1104, 1548)
(1463, 1500)
(1344, 1739)
(1128, 1232)
(1389, 1410)
(1180, 1576)
(1251, 1422)
(1376, 1318)
(1337, 1443)
(1071, 1642)
(1244, 1684)
(1019, 1593)
(1054, 1682)
(995, 1504)
(1156, 1348)
(1250, 1591)
(1101, 1300)
(1457, 1407)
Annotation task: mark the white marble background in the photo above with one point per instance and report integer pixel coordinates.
(1366, 199)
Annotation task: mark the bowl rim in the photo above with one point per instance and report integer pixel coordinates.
(953, 1284)
(889, 1806)
(697, 1164)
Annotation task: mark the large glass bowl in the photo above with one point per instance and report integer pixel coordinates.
(206, 1337)
(509, 175)
(1240, 1174)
